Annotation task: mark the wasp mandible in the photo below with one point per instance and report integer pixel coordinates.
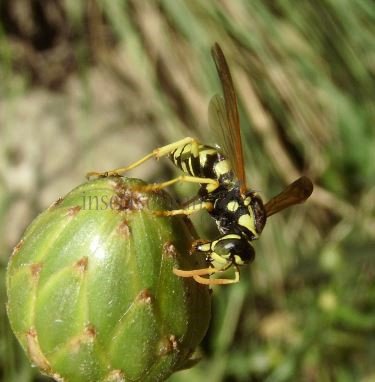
(239, 212)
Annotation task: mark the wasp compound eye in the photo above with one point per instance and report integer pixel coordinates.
(91, 291)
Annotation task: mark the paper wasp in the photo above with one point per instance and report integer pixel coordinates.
(239, 212)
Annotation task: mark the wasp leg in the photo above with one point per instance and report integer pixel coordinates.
(194, 272)
(157, 153)
(197, 273)
(188, 210)
(181, 178)
(202, 280)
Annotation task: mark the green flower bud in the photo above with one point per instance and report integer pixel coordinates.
(91, 291)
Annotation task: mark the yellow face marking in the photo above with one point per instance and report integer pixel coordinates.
(222, 167)
(219, 259)
(232, 206)
(238, 260)
(219, 262)
(247, 222)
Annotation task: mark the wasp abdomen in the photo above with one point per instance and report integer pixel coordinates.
(202, 161)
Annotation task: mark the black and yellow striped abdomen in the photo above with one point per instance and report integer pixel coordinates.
(202, 161)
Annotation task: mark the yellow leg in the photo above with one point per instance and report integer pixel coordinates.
(197, 273)
(203, 280)
(157, 153)
(194, 272)
(181, 178)
(186, 211)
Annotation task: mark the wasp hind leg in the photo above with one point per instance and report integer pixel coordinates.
(157, 153)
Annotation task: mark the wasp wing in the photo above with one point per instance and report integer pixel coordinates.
(297, 192)
(218, 121)
(224, 117)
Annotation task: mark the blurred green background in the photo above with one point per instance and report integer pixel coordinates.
(96, 84)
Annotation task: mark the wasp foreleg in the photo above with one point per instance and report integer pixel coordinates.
(203, 280)
(197, 274)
